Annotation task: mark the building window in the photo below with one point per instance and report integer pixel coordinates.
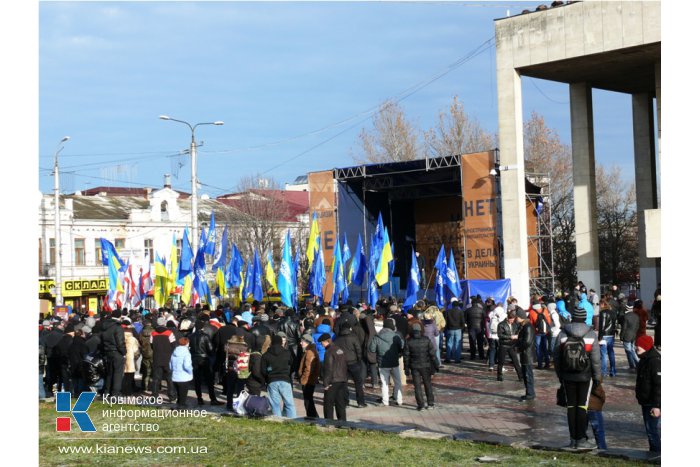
(79, 252)
(119, 244)
(179, 247)
(148, 249)
(164, 211)
(52, 251)
(98, 252)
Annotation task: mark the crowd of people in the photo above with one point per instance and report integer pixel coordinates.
(267, 348)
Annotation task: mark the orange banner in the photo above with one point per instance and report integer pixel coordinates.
(322, 200)
(479, 208)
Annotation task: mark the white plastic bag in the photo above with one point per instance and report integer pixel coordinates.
(239, 403)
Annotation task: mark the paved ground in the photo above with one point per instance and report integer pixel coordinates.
(471, 404)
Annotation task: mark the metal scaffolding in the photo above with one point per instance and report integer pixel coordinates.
(542, 275)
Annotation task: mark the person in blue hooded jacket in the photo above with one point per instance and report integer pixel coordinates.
(324, 327)
(561, 308)
(588, 306)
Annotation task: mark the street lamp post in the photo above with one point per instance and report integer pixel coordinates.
(193, 152)
(57, 224)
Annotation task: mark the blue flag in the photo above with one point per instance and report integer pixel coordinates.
(339, 284)
(210, 242)
(257, 278)
(452, 277)
(186, 257)
(248, 286)
(372, 289)
(441, 268)
(285, 283)
(234, 268)
(295, 275)
(413, 283)
(200, 282)
(358, 266)
(346, 249)
(319, 275)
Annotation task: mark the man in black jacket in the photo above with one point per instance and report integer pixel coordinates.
(508, 331)
(648, 389)
(61, 351)
(607, 322)
(76, 353)
(335, 379)
(163, 343)
(420, 358)
(53, 359)
(526, 347)
(114, 353)
(290, 326)
(202, 349)
(219, 342)
(276, 364)
(348, 342)
(454, 319)
(474, 317)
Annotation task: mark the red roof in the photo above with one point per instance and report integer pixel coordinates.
(297, 201)
(124, 191)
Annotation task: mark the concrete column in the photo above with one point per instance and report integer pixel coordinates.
(657, 72)
(510, 130)
(645, 184)
(585, 212)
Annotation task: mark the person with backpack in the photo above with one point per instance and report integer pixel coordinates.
(237, 367)
(542, 322)
(577, 363)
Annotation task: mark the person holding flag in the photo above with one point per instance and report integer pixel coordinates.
(441, 268)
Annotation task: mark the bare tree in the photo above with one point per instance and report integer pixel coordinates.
(456, 133)
(545, 154)
(617, 226)
(393, 138)
(261, 216)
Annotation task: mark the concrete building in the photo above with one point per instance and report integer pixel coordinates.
(610, 45)
(138, 221)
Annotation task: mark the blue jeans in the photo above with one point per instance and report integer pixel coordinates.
(493, 347)
(632, 357)
(42, 391)
(542, 347)
(608, 350)
(454, 344)
(595, 417)
(529, 378)
(653, 427)
(281, 391)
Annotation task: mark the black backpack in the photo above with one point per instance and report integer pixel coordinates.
(573, 357)
(541, 325)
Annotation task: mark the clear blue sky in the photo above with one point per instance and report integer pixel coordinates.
(293, 82)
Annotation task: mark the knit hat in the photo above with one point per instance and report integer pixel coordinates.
(90, 322)
(579, 313)
(520, 313)
(308, 338)
(629, 307)
(645, 342)
(282, 334)
(264, 317)
(389, 323)
(324, 337)
(276, 340)
(160, 321)
(117, 314)
(70, 328)
(87, 330)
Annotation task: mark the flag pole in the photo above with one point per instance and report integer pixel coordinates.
(427, 285)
